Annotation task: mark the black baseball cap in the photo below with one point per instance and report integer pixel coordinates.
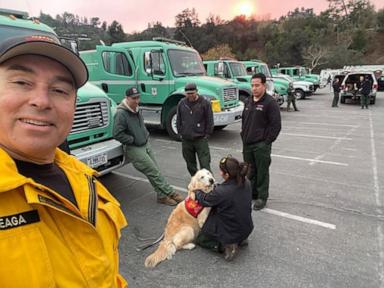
(132, 92)
(44, 45)
(190, 88)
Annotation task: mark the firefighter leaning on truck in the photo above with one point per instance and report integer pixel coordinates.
(59, 227)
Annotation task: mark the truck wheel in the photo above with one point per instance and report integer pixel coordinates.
(243, 97)
(170, 124)
(299, 94)
(221, 127)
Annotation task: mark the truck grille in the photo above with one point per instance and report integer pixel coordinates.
(90, 115)
(230, 94)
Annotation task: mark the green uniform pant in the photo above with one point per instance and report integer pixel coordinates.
(364, 100)
(335, 99)
(258, 155)
(291, 99)
(144, 161)
(198, 147)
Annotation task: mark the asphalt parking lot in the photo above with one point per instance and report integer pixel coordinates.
(323, 225)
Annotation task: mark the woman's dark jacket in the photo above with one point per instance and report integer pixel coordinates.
(230, 219)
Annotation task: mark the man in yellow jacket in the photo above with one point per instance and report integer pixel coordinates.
(59, 227)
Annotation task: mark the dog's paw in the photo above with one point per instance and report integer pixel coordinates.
(189, 246)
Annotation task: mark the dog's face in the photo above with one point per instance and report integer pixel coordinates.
(202, 180)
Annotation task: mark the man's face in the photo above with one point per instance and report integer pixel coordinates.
(37, 104)
(133, 102)
(191, 96)
(258, 88)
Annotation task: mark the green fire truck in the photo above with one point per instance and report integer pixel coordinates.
(160, 69)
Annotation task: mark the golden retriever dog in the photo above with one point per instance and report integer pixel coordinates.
(183, 227)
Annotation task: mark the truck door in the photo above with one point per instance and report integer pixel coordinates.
(155, 76)
(116, 72)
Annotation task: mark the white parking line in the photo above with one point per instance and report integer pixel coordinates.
(324, 124)
(376, 189)
(310, 160)
(266, 210)
(145, 180)
(299, 218)
(315, 136)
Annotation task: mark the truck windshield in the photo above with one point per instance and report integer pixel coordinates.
(185, 63)
(265, 70)
(238, 69)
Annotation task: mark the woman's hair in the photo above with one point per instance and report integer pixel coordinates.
(234, 168)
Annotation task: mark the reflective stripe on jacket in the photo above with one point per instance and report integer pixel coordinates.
(45, 241)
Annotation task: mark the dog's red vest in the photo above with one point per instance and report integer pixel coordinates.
(193, 207)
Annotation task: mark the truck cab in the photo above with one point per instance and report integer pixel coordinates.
(231, 70)
(90, 139)
(299, 73)
(160, 69)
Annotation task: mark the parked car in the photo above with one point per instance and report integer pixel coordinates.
(349, 86)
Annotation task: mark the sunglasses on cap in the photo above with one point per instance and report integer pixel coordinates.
(223, 163)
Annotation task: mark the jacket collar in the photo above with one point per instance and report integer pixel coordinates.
(12, 179)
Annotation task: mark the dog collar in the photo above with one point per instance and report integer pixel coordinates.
(193, 207)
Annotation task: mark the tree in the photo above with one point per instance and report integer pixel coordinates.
(221, 51)
(187, 27)
(116, 32)
(95, 21)
(315, 55)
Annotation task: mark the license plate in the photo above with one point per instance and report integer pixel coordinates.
(97, 160)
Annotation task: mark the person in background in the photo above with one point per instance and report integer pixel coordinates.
(130, 130)
(194, 125)
(230, 220)
(261, 124)
(364, 89)
(59, 226)
(291, 99)
(336, 92)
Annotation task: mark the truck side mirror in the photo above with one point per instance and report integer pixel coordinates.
(148, 62)
(220, 69)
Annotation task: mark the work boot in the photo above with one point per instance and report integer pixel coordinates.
(166, 201)
(243, 243)
(176, 196)
(259, 204)
(230, 251)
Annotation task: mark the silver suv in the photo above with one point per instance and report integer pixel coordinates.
(349, 86)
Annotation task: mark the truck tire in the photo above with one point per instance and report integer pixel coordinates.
(243, 97)
(299, 94)
(221, 127)
(170, 124)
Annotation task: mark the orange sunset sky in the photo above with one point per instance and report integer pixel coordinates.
(135, 15)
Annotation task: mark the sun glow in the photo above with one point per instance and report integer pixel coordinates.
(245, 8)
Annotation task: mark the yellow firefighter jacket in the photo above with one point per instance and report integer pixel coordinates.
(45, 241)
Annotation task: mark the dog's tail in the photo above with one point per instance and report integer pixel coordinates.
(165, 250)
